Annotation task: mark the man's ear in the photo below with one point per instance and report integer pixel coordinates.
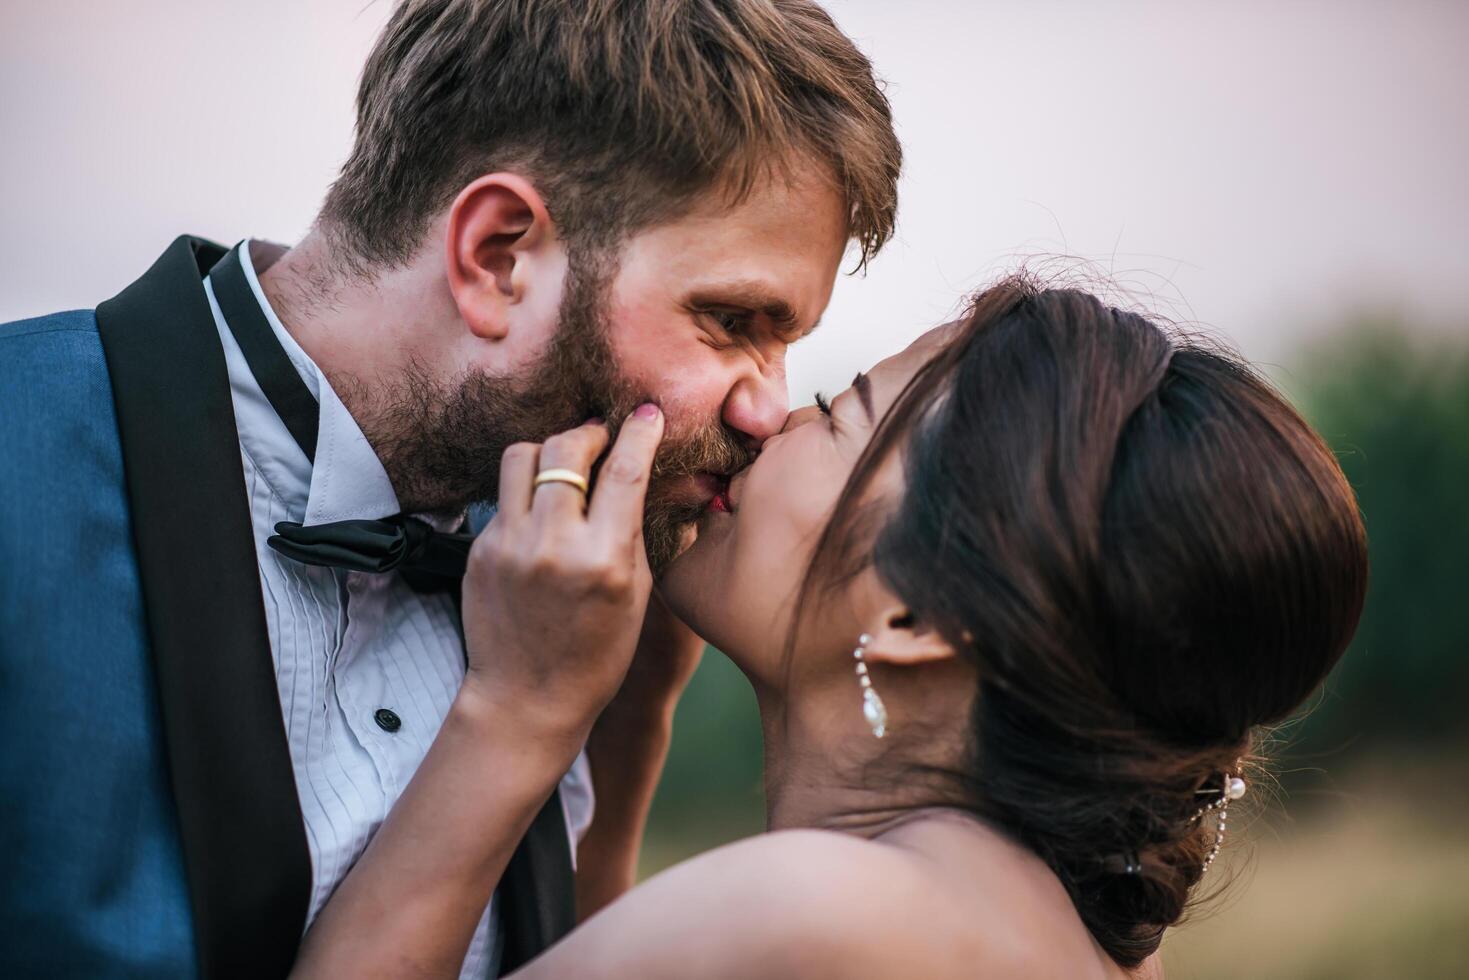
(497, 227)
(901, 639)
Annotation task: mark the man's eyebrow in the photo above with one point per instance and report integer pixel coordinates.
(864, 393)
(748, 295)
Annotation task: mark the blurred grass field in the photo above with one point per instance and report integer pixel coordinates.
(1367, 881)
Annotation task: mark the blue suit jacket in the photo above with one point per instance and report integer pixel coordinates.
(154, 829)
(94, 874)
(151, 827)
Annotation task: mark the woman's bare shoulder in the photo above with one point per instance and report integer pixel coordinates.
(799, 903)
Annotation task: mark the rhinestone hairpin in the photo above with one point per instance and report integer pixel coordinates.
(1234, 788)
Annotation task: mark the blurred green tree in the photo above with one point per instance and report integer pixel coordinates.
(711, 791)
(1394, 405)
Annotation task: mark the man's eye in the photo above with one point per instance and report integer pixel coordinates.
(729, 321)
(823, 404)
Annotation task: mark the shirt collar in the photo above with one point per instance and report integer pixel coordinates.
(348, 481)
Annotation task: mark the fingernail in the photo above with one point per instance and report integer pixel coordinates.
(647, 410)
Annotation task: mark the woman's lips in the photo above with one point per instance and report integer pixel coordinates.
(733, 487)
(717, 487)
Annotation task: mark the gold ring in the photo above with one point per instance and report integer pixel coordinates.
(569, 477)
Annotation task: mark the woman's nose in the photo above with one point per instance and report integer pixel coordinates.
(800, 417)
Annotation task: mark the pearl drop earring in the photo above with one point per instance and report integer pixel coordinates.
(872, 707)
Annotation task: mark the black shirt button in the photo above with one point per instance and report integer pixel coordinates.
(387, 720)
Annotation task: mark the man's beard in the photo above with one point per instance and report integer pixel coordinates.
(441, 443)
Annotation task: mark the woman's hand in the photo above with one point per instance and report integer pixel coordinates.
(553, 605)
(557, 584)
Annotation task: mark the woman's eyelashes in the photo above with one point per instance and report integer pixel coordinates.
(823, 404)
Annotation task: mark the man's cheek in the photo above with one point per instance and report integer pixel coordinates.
(675, 369)
(640, 335)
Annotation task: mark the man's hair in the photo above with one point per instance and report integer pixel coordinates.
(622, 112)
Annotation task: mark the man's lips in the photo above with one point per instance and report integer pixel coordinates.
(694, 492)
(727, 499)
(713, 488)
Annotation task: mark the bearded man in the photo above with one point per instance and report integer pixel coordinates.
(228, 631)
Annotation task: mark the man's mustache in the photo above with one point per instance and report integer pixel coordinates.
(712, 447)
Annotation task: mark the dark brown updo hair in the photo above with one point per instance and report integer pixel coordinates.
(1147, 553)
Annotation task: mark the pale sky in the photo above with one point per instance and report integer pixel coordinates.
(1260, 167)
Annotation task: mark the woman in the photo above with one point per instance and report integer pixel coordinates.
(1017, 607)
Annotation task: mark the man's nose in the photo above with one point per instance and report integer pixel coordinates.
(758, 405)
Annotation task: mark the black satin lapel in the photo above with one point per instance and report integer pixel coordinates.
(538, 892)
(244, 841)
(267, 359)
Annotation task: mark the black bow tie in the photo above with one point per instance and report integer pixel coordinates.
(431, 561)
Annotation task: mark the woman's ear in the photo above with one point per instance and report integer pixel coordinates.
(899, 638)
(497, 228)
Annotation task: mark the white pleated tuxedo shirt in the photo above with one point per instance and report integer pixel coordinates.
(348, 645)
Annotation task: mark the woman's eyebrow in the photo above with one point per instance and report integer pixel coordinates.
(864, 393)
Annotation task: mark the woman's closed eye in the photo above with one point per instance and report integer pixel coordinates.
(823, 405)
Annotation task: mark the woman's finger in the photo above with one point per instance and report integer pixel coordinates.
(574, 450)
(622, 485)
(518, 466)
